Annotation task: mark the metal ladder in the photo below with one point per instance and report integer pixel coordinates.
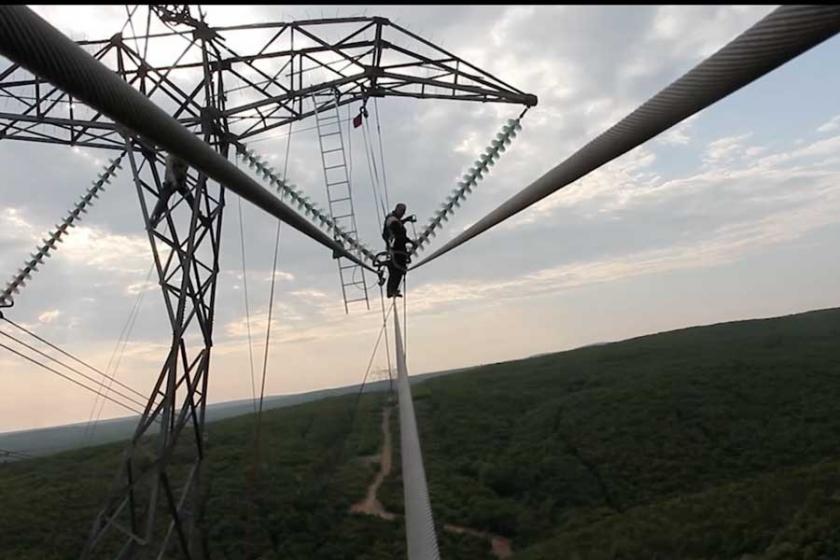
(339, 192)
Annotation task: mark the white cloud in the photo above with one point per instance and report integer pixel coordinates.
(617, 182)
(695, 32)
(744, 206)
(279, 275)
(49, 316)
(725, 149)
(830, 125)
(308, 294)
(724, 245)
(136, 288)
(500, 33)
(14, 226)
(678, 134)
(92, 246)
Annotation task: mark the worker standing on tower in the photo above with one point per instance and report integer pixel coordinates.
(396, 240)
(175, 180)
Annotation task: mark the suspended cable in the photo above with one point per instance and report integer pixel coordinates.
(283, 135)
(784, 34)
(117, 353)
(270, 311)
(270, 317)
(382, 330)
(131, 23)
(258, 428)
(71, 356)
(405, 304)
(378, 205)
(71, 368)
(387, 344)
(372, 167)
(247, 306)
(148, 32)
(405, 297)
(381, 152)
(421, 540)
(68, 378)
(349, 145)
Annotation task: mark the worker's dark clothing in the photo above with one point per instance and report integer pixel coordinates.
(175, 179)
(399, 253)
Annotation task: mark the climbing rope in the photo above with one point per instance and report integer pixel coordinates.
(381, 151)
(373, 169)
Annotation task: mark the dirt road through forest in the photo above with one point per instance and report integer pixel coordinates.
(500, 546)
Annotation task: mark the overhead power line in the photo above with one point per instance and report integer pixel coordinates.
(65, 376)
(111, 378)
(421, 539)
(784, 34)
(100, 384)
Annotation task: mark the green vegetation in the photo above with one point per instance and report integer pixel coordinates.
(710, 442)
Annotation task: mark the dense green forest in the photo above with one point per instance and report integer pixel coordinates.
(709, 442)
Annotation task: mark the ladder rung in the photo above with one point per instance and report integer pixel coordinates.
(334, 166)
(331, 151)
(330, 134)
(337, 183)
(339, 199)
(355, 300)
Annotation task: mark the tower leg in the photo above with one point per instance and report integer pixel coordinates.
(155, 508)
(152, 510)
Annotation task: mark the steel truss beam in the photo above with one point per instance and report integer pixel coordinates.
(265, 88)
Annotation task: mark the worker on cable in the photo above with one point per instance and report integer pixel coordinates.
(396, 239)
(175, 179)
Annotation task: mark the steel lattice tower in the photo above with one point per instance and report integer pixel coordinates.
(155, 504)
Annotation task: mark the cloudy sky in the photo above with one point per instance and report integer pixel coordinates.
(730, 215)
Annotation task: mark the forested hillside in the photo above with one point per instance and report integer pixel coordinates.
(710, 442)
